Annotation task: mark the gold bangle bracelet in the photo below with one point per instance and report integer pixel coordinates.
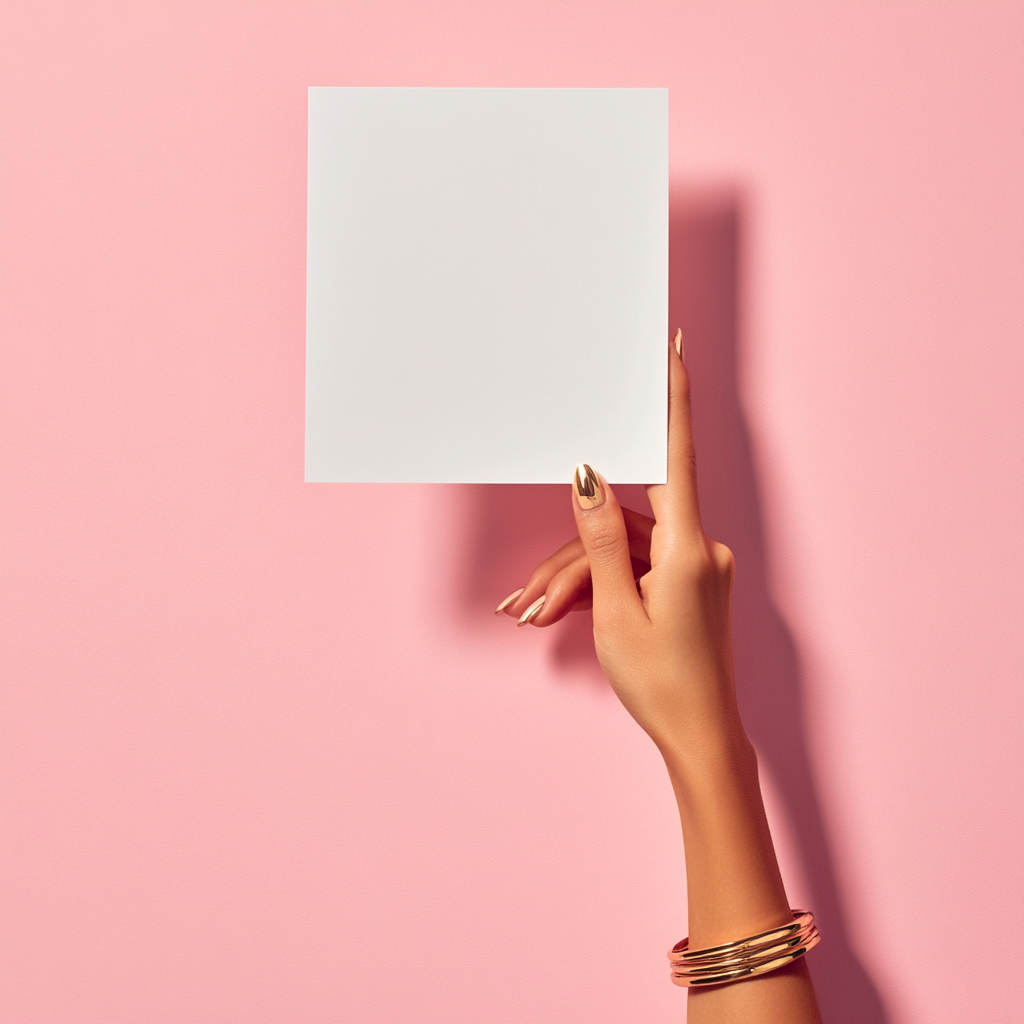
(744, 958)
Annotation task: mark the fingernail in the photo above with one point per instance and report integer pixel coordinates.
(508, 600)
(679, 343)
(533, 611)
(589, 492)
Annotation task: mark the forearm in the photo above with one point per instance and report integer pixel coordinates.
(733, 883)
(734, 888)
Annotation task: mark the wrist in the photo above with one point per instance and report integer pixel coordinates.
(714, 751)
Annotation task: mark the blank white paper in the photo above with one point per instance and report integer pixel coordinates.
(487, 280)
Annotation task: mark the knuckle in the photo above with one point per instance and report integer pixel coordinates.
(538, 577)
(706, 562)
(686, 455)
(603, 540)
(545, 570)
(724, 559)
(692, 557)
(562, 590)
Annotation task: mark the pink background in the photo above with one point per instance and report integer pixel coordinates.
(269, 758)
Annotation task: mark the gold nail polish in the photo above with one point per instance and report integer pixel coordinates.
(589, 492)
(679, 343)
(508, 600)
(533, 611)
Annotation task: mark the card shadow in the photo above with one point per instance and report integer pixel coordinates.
(509, 528)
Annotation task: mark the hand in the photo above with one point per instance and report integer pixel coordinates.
(660, 590)
(662, 635)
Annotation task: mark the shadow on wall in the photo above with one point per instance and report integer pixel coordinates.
(512, 527)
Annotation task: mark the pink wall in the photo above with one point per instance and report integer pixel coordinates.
(268, 756)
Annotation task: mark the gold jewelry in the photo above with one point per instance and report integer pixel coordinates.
(744, 958)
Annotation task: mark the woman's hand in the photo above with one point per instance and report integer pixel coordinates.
(660, 591)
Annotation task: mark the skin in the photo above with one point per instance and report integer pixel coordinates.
(660, 591)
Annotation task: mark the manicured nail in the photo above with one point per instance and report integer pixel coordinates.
(508, 600)
(533, 611)
(589, 492)
(679, 343)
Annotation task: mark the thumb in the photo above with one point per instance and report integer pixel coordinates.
(603, 532)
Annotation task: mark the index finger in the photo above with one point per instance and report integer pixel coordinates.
(675, 504)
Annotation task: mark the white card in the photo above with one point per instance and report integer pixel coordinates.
(487, 284)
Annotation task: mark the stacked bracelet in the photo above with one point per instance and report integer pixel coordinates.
(744, 958)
